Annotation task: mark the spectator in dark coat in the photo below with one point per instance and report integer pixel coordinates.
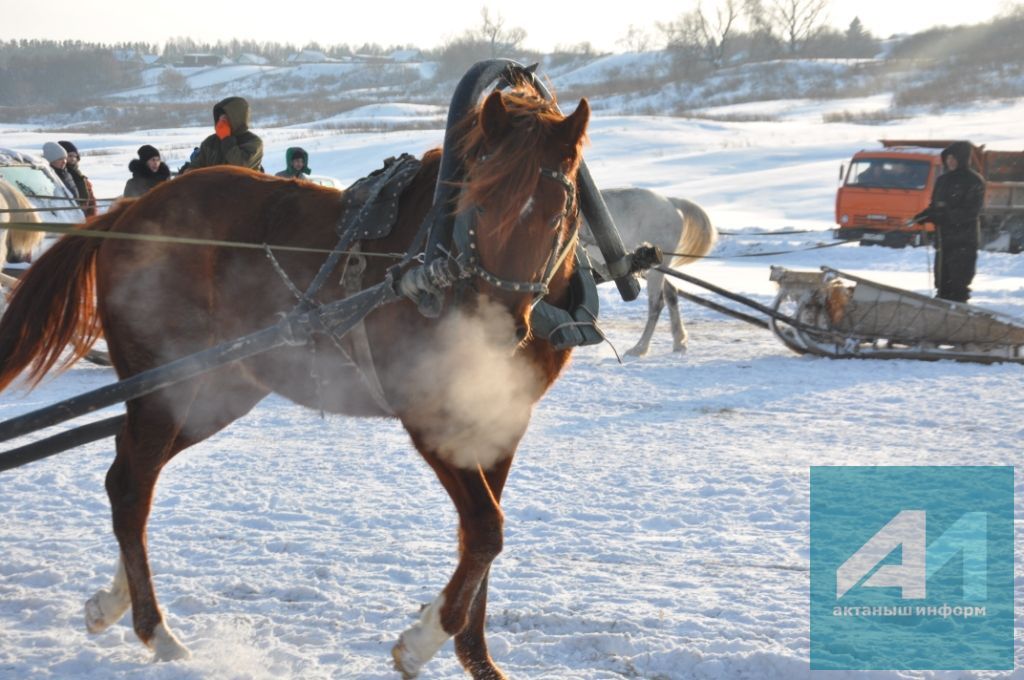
(86, 197)
(232, 143)
(296, 162)
(956, 203)
(58, 158)
(147, 171)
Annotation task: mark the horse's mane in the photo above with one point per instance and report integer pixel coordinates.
(510, 167)
(13, 198)
(23, 242)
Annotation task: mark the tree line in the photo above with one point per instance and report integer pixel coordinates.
(700, 41)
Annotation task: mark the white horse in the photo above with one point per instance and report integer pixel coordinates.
(673, 224)
(14, 207)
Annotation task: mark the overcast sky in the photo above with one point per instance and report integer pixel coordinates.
(548, 23)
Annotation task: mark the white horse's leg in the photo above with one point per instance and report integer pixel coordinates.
(655, 303)
(680, 337)
(420, 643)
(106, 607)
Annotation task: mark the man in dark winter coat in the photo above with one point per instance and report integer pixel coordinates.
(147, 172)
(296, 162)
(86, 197)
(58, 159)
(232, 143)
(956, 203)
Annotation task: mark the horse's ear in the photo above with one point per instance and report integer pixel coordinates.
(494, 116)
(575, 126)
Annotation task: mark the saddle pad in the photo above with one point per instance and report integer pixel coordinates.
(371, 203)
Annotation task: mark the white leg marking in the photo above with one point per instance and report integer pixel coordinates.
(106, 607)
(165, 646)
(418, 645)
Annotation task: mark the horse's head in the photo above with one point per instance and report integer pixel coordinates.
(518, 211)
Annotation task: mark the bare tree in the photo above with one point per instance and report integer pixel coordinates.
(172, 83)
(490, 39)
(796, 21)
(702, 35)
(715, 30)
(636, 39)
(493, 31)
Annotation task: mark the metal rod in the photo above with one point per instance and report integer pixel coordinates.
(753, 304)
(722, 309)
(147, 381)
(58, 443)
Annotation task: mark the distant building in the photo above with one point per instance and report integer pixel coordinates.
(134, 57)
(405, 56)
(310, 57)
(252, 59)
(201, 60)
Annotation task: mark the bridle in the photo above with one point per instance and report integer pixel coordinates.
(464, 238)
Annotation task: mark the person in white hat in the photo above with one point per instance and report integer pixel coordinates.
(58, 158)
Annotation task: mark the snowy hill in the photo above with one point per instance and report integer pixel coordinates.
(644, 83)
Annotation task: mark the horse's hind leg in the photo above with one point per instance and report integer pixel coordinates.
(106, 607)
(655, 303)
(460, 608)
(152, 435)
(680, 337)
(143, 447)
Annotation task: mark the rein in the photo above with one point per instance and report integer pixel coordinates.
(74, 230)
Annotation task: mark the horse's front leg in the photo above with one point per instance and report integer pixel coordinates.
(655, 303)
(680, 337)
(460, 609)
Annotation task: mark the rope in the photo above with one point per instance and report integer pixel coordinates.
(770, 254)
(768, 234)
(41, 210)
(70, 198)
(74, 230)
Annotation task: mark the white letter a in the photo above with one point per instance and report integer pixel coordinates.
(906, 529)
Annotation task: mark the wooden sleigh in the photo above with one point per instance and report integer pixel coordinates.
(841, 315)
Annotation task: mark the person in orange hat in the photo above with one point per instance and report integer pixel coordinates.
(232, 142)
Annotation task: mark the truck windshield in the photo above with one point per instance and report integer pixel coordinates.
(888, 173)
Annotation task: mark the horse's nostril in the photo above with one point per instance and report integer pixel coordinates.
(521, 332)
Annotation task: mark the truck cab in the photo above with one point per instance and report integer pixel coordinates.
(881, 190)
(884, 188)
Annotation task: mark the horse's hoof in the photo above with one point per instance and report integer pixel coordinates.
(636, 352)
(102, 610)
(166, 647)
(681, 349)
(405, 662)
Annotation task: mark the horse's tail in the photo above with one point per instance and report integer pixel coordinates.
(53, 305)
(699, 235)
(22, 241)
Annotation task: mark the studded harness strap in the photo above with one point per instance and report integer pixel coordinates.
(468, 259)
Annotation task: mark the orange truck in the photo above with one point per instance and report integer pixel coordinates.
(882, 189)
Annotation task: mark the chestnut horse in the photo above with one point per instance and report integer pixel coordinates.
(463, 385)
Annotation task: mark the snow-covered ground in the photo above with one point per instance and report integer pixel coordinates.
(657, 512)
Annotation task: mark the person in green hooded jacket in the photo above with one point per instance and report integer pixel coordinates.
(296, 162)
(232, 142)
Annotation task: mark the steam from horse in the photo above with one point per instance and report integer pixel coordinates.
(462, 385)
